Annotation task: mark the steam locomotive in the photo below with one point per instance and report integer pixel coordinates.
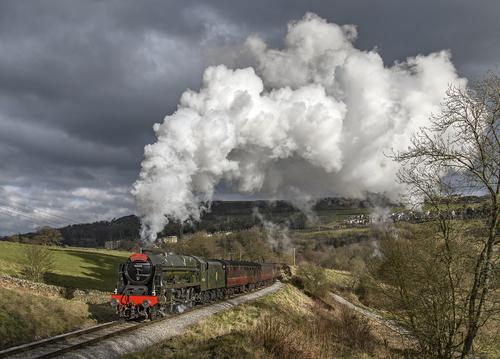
(154, 284)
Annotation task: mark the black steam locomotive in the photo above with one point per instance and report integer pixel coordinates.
(154, 284)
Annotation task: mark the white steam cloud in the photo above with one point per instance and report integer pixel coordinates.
(313, 118)
(277, 235)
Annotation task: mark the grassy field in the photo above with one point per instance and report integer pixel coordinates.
(312, 233)
(73, 267)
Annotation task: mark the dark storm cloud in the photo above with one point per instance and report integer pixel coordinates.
(82, 82)
(398, 28)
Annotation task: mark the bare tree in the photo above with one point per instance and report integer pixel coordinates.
(47, 235)
(39, 261)
(425, 288)
(460, 152)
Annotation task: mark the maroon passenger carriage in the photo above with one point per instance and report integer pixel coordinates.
(242, 276)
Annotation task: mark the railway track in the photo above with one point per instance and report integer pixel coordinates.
(60, 344)
(68, 342)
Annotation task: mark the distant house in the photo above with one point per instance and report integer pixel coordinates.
(168, 239)
(112, 244)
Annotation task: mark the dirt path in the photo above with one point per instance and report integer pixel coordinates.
(142, 338)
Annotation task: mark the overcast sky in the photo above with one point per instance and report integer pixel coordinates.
(83, 82)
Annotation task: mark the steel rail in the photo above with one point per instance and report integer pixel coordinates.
(30, 346)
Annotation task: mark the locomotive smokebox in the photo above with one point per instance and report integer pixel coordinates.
(138, 268)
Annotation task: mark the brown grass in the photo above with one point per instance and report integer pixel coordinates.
(26, 316)
(281, 340)
(326, 335)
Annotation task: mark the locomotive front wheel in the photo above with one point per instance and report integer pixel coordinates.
(152, 313)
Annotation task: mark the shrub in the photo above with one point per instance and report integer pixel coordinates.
(325, 336)
(369, 292)
(352, 331)
(280, 338)
(312, 279)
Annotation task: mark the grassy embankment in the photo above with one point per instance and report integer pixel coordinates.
(28, 314)
(285, 324)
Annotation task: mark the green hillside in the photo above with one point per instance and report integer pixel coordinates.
(73, 267)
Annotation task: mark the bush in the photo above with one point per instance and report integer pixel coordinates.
(281, 339)
(326, 336)
(369, 292)
(352, 331)
(312, 279)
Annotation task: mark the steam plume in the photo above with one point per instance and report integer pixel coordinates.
(276, 234)
(310, 119)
